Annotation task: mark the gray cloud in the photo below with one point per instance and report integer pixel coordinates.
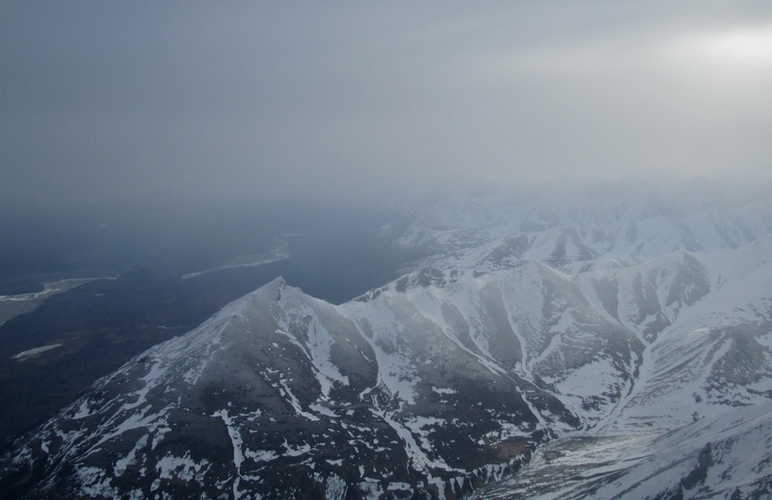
(99, 100)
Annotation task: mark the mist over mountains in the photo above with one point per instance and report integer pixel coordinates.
(609, 339)
(221, 275)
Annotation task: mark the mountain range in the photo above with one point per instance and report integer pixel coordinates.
(610, 341)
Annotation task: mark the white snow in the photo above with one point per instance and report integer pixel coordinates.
(181, 468)
(335, 488)
(37, 350)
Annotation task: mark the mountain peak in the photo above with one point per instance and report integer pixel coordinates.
(275, 285)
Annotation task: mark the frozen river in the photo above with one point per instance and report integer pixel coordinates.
(14, 305)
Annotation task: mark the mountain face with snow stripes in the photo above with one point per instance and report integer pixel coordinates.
(620, 346)
(281, 393)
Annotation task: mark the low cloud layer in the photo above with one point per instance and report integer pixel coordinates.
(352, 101)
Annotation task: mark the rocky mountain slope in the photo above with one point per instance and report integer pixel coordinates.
(619, 363)
(721, 457)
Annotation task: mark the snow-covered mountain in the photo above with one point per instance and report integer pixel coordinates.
(282, 394)
(573, 228)
(618, 348)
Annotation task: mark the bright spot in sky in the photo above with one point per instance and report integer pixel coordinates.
(750, 47)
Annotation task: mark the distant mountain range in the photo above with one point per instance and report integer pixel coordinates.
(610, 340)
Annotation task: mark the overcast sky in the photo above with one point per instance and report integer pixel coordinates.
(350, 100)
